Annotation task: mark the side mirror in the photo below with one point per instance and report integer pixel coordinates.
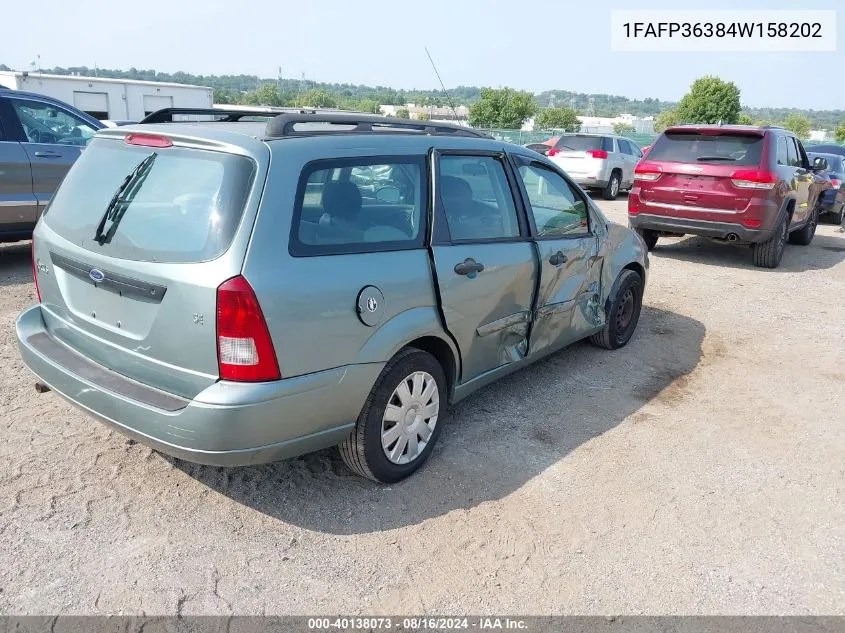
(819, 164)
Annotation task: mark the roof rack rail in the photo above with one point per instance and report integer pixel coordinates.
(285, 125)
(222, 115)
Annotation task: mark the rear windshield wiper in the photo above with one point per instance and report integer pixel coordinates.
(706, 158)
(122, 199)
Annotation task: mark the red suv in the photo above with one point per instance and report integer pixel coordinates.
(744, 184)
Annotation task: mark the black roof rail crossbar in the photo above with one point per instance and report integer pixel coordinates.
(284, 125)
(165, 115)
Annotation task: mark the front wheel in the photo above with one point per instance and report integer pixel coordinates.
(401, 419)
(623, 314)
(805, 235)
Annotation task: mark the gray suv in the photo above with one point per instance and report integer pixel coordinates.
(237, 293)
(40, 138)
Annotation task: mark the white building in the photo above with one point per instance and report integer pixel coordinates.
(117, 99)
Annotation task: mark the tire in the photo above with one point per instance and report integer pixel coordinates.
(363, 452)
(649, 237)
(611, 190)
(805, 235)
(837, 217)
(626, 299)
(769, 253)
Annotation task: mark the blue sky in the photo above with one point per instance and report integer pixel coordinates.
(533, 46)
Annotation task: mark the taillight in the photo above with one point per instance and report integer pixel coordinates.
(835, 182)
(597, 153)
(148, 140)
(752, 223)
(648, 172)
(244, 349)
(753, 179)
(553, 152)
(35, 273)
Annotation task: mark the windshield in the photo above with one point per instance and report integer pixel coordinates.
(186, 207)
(692, 147)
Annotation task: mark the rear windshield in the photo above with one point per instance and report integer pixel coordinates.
(583, 143)
(691, 147)
(185, 208)
(834, 163)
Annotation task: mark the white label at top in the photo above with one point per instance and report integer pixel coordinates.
(741, 31)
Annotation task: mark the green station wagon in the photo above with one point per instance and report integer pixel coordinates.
(234, 292)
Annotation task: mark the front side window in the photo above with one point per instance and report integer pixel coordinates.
(476, 198)
(557, 209)
(360, 205)
(46, 123)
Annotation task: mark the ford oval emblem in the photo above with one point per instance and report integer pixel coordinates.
(96, 275)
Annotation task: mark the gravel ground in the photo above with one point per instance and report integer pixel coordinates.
(699, 470)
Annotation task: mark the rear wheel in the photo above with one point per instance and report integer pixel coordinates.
(769, 253)
(649, 237)
(400, 421)
(805, 235)
(623, 314)
(612, 189)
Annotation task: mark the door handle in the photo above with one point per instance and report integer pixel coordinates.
(469, 267)
(48, 155)
(558, 258)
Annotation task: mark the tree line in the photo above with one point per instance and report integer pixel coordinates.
(709, 100)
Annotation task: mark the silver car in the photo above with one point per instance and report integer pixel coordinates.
(230, 293)
(598, 161)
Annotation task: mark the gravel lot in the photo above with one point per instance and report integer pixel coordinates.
(699, 470)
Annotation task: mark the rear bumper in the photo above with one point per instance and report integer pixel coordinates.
(227, 424)
(705, 228)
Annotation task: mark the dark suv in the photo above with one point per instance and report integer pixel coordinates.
(744, 184)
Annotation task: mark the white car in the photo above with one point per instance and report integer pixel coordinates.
(597, 161)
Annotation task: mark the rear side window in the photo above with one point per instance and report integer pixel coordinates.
(692, 147)
(782, 155)
(185, 208)
(359, 205)
(476, 198)
(792, 153)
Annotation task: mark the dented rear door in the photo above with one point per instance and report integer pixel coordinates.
(485, 265)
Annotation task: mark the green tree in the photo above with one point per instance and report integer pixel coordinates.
(665, 119)
(317, 98)
(799, 124)
(623, 129)
(557, 119)
(267, 95)
(502, 108)
(840, 133)
(763, 122)
(222, 95)
(423, 116)
(710, 100)
(369, 105)
(403, 113)
(744, 119)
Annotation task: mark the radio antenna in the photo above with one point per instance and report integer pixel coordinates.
(448, 97)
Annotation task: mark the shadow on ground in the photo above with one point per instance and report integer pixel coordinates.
(825, 251)
(15, 263)
(494, 442)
